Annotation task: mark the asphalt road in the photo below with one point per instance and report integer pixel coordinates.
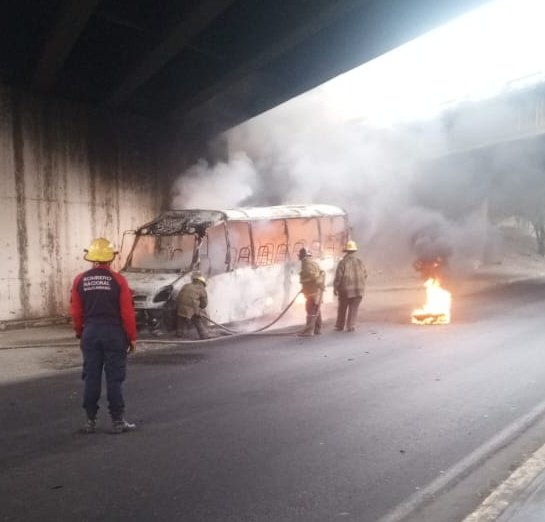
(352, 427)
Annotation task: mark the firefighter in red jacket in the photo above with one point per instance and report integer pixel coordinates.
(104, 320)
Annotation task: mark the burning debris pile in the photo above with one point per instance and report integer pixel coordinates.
(436, 310)
(433, 251)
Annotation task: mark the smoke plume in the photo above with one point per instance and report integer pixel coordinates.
(222, 185)
(402, 199)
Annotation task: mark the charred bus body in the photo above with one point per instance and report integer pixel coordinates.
(248, 255)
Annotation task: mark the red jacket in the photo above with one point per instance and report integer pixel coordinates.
(102, 296)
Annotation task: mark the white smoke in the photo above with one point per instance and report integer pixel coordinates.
(218, 186)
(306, 154)
(394, 191)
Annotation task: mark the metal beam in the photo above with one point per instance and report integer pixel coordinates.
(179, 38)
(72, 20)
(309, 26)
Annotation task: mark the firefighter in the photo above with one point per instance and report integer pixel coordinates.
(103, 315)
(312, 279)
(190, 303)
(349, 286)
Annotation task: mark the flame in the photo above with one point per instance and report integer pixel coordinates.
(436, 310)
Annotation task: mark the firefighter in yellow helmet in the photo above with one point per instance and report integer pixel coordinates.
(349, 287)
(190, 303)
(100, 251)
(103, 315)
(312, 279)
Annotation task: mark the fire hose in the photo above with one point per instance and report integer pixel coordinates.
(232, 333)
(259, 330)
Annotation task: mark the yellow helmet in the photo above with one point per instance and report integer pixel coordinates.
(100, 250)
(199, 277)
(351, 246)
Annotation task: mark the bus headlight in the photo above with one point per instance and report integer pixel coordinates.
(163, 294)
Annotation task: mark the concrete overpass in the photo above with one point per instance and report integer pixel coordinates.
(102, 102)
(167, 59)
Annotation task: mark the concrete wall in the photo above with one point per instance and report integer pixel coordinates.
(67, 175)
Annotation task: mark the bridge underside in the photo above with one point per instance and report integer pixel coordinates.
(202, 63)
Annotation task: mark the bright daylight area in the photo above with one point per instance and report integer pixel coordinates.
(473, 57)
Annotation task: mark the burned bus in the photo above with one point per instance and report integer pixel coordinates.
(248, 256)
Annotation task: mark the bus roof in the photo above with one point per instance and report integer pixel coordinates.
(189, 221)
(282, 211)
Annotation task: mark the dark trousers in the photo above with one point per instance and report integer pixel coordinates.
(350, 305)
(313, 309)
(104, 347)
(183, 324)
